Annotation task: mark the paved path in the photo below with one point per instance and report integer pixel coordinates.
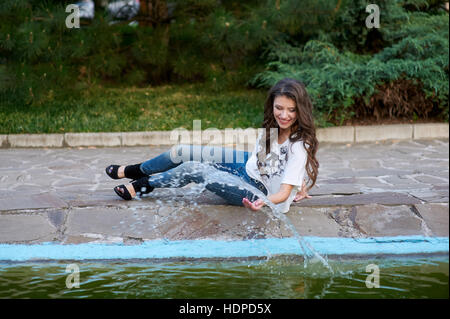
(392, 188)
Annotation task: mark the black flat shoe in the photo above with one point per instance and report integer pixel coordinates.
(112, 170)
(141, 186)
(123, 192)
(130, 171)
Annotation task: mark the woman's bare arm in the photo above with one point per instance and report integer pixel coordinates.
(281, 196)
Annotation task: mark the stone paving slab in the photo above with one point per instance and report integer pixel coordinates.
(312, 222)
(139, 224)
(435, 217)
(345, 218)
(36, 201)
(363, 190)
(171, 223)
(26, 228)
(336, 189)
(377, 220)
(431, 196)
(384, 198)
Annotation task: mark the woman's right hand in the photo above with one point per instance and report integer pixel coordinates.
(256, 205)
(302, 193)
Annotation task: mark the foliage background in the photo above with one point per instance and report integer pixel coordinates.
(397, 71)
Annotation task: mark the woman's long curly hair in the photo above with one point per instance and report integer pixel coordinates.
(302, 129)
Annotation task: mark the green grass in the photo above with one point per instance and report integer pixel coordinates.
(137, 109)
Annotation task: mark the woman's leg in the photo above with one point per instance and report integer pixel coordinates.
(160, 163)
(195, 172)
(179, 176)
(226, 157)
(231, 193)
(180, 166)
(177, 155)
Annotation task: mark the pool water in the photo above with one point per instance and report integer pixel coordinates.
(280, 277)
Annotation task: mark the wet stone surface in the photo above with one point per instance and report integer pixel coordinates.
(63, 195)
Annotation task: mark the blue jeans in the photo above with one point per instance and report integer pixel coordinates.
(180, 166)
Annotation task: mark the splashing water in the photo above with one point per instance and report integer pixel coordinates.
(212, 175)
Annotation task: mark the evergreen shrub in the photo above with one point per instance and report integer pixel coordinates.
(398, 70)
(408, 77)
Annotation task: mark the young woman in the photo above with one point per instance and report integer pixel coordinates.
(277, 166)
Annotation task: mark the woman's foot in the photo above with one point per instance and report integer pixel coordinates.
(113, 171)
(127, 191)
(131, 190)
(129, 171)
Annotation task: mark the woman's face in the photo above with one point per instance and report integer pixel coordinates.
(285, 111)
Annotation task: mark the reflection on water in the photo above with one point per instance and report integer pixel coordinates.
(273, 278)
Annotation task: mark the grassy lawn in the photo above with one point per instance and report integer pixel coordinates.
(137, 109)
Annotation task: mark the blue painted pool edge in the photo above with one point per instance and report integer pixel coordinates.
(162, 249)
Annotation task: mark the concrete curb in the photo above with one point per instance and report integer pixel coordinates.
(343, 134)
(202, 249)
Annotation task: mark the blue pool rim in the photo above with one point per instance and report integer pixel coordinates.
(204, 248)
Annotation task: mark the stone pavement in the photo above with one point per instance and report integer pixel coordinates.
(62, 195)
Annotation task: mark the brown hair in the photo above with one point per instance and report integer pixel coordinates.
(302, 129)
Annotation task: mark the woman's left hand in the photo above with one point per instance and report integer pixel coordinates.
(256, 205)
(303, 193)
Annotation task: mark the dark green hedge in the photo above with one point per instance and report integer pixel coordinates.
(400, 69)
